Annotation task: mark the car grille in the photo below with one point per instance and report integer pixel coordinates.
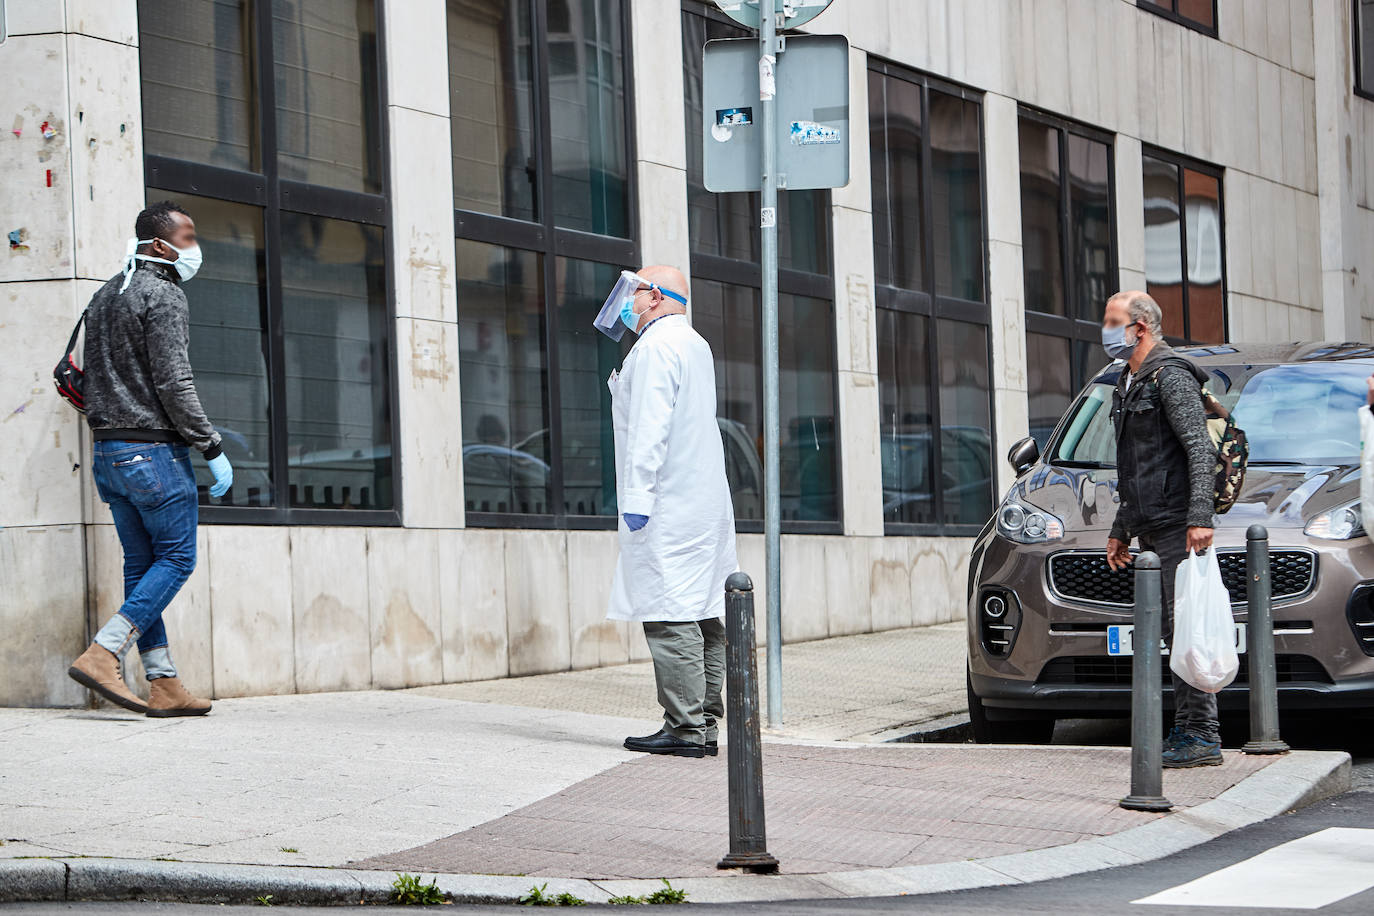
(1115, 670)
(1087, 577)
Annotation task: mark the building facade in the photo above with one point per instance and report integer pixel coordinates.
(412, 209)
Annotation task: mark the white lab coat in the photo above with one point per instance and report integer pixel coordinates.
(670, 466)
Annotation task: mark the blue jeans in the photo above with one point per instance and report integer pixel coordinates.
(151, 491)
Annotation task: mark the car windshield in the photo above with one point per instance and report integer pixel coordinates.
(1292, 414)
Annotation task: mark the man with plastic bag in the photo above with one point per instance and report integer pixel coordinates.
(1166, 470)
(677, 524)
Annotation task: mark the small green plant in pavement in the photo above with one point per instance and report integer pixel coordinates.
(264, 900)
(289, 849)
(539, 896)
(665, 894)
(409, 890)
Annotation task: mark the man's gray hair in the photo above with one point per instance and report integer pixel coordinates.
(1144, 309)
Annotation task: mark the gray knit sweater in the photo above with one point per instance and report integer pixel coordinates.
(138, 382)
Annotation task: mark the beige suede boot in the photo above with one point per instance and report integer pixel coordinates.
(168, 698)
(98, 669)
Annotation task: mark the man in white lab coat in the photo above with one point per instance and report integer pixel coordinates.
(677, 527)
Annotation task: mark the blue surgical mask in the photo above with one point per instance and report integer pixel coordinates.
(1114, 342)
(627, 313)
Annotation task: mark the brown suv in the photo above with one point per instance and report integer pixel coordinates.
(1046, 614)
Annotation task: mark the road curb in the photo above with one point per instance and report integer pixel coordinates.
(1291, 782)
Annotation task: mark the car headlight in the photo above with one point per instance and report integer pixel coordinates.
(1027, 524)
(1339, 524)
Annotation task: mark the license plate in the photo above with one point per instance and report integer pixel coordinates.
(1120, 640)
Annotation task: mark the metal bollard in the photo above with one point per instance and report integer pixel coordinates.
(1147, 714)
(1259, 643)
(744, 750)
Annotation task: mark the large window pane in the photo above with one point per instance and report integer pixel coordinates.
(957, 196)
(1206, 308)
(965, 423)
(1200, 11)
(228, 347)
(724, 315)
(325, 66)
(1049, 378)
(1090, 218)
(197, 68)
(334, 313)
(1365, 49)
(806, 403)
(586, 358)
(1163, 242)
(908, 450)
(491, 100)
(1042, 226)
(729, 317)
(587, 116)
(504, 380)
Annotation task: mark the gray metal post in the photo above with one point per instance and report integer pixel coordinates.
(1259, 639)
(748, 837)
(1147, 714)
(772, 513)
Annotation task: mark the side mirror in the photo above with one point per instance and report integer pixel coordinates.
(1023, 454)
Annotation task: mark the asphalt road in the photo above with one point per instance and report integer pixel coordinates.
(1104, 892)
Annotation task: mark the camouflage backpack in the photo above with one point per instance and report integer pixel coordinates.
(1233, 451)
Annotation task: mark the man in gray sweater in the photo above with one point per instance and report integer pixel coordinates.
(1166, 472)
(145, 416)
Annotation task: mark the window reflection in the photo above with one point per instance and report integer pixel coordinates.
(1365, 47)
(328, 119)
(908, 452)
(965, 423)
(334, 315)
(228, 347)
(728, 317)
(197, 72)
(895, 153)
(587, 116)
(586, 358)
(491, 104)
(503, 380)
(956, 196)
(1049, 383)
(1091, 219)
(1184, 256)
(1042, 228)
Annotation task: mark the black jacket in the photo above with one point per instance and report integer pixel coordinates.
(1165, 460)
(138, 382)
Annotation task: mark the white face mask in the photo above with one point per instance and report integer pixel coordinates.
(186, 265)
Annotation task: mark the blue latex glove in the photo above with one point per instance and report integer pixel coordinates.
(224, 475)
(635, 522)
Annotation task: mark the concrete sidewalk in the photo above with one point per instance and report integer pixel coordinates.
(852, 688)
(320, 798)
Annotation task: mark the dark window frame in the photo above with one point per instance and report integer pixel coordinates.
(739, 272)
(1212, 171)
(1364, 81)
(1068, 326)
(1173, 15)
(936, 307)
(550, 242)
(274, 195)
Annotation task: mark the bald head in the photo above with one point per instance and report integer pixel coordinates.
(664, 277)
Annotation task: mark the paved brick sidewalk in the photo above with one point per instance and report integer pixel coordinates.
(828, 809)
(844, 688)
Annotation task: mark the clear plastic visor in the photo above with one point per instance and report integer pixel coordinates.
(608, 319)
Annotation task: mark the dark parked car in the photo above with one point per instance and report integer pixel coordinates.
(1042, 602)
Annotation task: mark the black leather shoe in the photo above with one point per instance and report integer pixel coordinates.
(664, 743)
(712, 748)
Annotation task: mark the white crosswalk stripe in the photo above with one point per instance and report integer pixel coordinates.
(1305, 874)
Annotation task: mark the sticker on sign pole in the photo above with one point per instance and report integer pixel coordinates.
(768, 217)
(768, 85)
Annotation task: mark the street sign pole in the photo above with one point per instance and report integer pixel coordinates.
(768, 222)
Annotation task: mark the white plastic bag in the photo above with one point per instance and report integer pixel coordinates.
(1366, 463)
(1204, 648)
